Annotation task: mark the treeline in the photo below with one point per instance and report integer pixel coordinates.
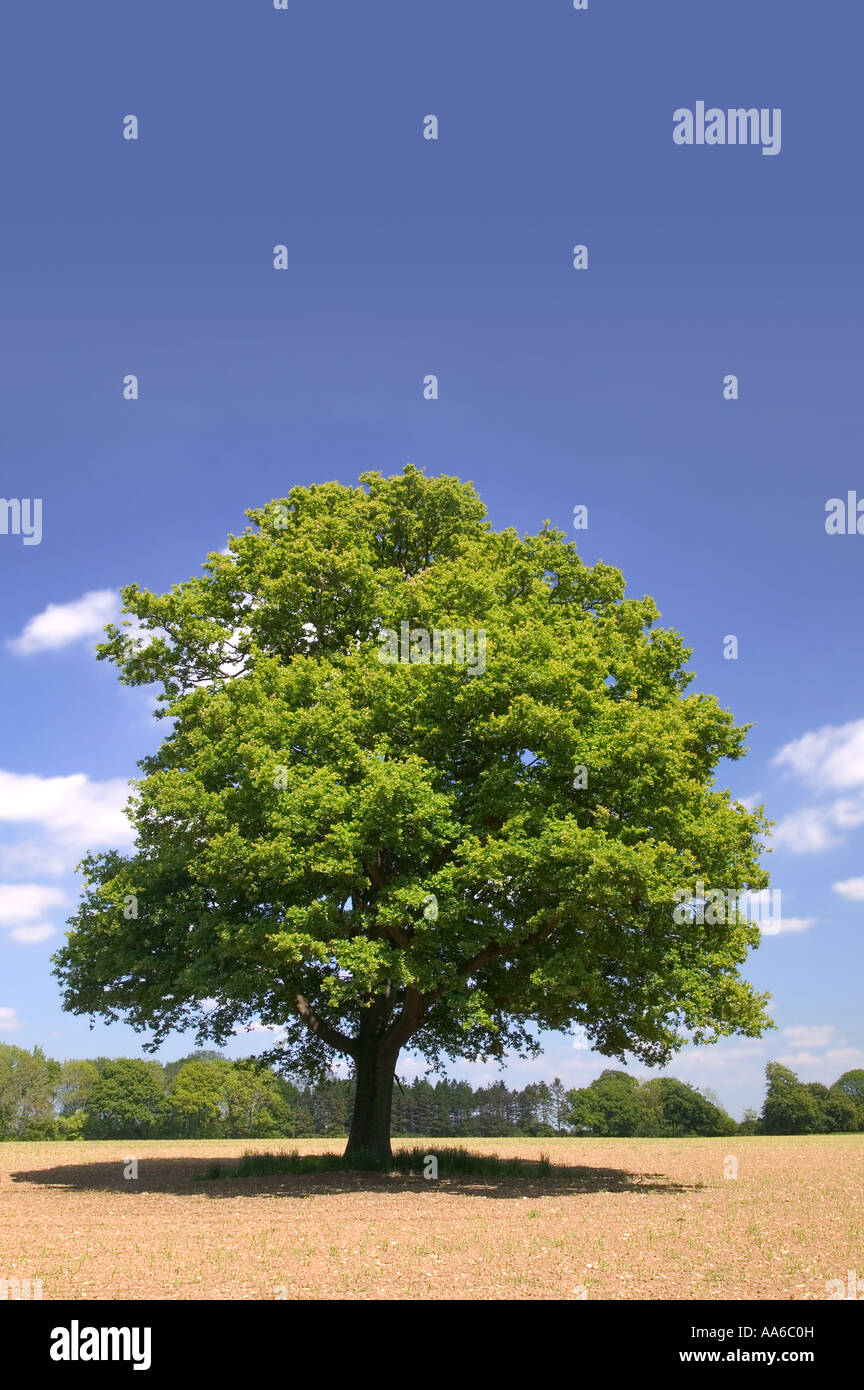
(617, 1104)
(205, 1095)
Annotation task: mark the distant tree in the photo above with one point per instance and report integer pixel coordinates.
(462, 1106)
(821, 1095)
(256, 1108)
(127, 1101)
(201, 1054)
(330, 1108)
(423, 1107)
(296, 1102)
(616, 1104)
(608, 1106)
(27, 1081)
(531, 1104)
(72, 1089)
(750, 1122)
(789, 1107)
(673, 1108)
(495, 1110)
(842, 1114)
(851, 1083)
(850, 1086)
(197, 1097)
(545, 1108)
(559, 1104)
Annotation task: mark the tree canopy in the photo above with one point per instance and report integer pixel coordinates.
(363, 853)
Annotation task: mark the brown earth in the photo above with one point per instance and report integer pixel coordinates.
(641, 1219)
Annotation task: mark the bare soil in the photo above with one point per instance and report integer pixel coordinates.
(639, 1219)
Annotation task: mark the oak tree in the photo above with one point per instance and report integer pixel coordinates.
(365, 854)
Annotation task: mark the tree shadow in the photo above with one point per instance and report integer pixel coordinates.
(185, 1175)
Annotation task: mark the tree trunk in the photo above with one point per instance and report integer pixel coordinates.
(374, 1070)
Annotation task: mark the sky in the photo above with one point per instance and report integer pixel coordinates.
(605, 387)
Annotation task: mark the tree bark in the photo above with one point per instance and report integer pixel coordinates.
(374, 1071)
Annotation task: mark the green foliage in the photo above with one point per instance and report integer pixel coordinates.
(71, 1092)
(71, 1126)
(674, 1109)
(26, 1104)
(618, 1104)
(791, 1107)
(196, 1097)
(201, 1054)
(608, 1106)
(307, 799)
(851, 1083)
(210, 1097)
(255, 1106)
(842, 1114)
(127, 1101)
(845, 1105)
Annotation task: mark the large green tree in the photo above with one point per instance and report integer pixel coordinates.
(366, 854)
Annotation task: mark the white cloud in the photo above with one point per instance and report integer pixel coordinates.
(782, 925)
(840, 1059)
(805, 832)
(31, 936)
(831, 757)
(26, 902)
(814, 828)
(851, 888)
(846, 1056)
(61, 624)
(29, 857)
(73, 814)
(801, 1059)
(718, 1057)
(9, 1020)
(807, 1035)
(832, 760)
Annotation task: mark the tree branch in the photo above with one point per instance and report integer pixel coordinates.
(410, 1018)
(375, 874)
(323, 1030)
(494, 951)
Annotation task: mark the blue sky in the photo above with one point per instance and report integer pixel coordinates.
(557, 387)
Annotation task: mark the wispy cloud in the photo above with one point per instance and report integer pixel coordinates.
(61, 624)
(851, 888)
(22, 903)
(788, 925)
(72, 814)
(816, 828)
(32, 935)
(831, 758)
(809, 1035)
